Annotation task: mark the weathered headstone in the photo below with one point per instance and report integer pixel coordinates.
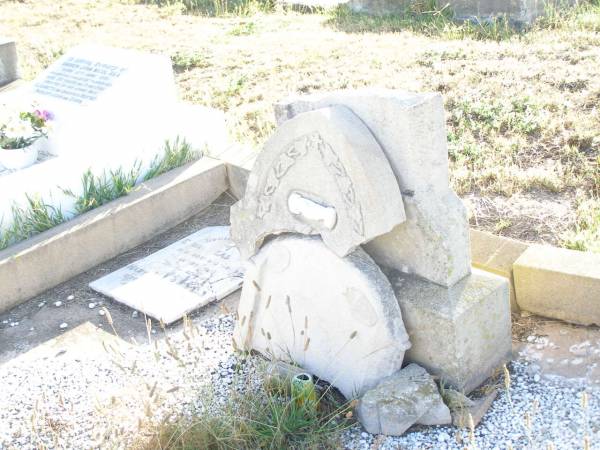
(322, 173)
(106, 100)
(433, 242)
(336, 317)
(194, 271)
(9, 69)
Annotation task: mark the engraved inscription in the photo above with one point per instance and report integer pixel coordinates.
(313, 143)
(79, 80)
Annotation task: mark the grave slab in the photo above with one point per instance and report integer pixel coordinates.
(461, 334)
(433, 242)
(186, 275)
(337, 318)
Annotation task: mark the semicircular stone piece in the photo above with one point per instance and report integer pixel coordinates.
(324, 173)
(338, 318)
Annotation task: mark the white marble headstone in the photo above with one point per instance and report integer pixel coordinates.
(186, 275)
(106, 100)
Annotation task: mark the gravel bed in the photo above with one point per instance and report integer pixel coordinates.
(103, 402)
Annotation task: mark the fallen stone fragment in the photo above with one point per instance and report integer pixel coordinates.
(336, 317)
(407, 397)
(322, 173)
(477, 409)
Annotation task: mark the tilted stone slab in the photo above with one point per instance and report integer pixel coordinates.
(433, 242)
(322, 173)
(182, 277)
(336, 317)
(461, 334)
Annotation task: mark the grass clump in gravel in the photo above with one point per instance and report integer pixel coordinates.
(267, 417)
(174, 155)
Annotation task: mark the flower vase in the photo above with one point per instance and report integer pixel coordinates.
(14, 159)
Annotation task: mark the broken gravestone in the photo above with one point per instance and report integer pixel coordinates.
(335, 317)
(399, 401)
(194, 271)
(433, 242)
(322, 173)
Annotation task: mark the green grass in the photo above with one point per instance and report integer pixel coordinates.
(175, 154)
(428, 20)
(217, 7)
(101, 189)
(268, 417)
(586, 235)
(184, 61)
(27, 221)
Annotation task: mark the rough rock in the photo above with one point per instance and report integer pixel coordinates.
(321, 173)
(401, 400)
(336, 317)
(433, 242)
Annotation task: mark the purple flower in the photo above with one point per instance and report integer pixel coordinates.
(46, 115)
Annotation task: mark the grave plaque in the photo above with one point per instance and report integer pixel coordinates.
(186, 275)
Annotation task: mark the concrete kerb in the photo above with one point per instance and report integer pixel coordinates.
(54, 256)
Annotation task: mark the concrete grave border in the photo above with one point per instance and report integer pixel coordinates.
(30, 267)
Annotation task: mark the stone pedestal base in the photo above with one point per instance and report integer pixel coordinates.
(462, 333)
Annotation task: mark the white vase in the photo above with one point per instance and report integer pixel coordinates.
(21, 157)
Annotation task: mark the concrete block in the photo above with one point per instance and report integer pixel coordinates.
(559, 283)
(54, 256)
(9, 68)
(496, 254)
(462, 333)
(433, 242)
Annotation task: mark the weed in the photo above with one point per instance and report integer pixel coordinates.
(217, 7)
(99, 190)
(175, 154)
(267, 417)
(586, 234)
(35, 217)
(182, 62)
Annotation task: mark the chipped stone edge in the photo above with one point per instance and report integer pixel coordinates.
(56, 255)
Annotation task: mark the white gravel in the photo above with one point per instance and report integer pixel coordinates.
(99, 401)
